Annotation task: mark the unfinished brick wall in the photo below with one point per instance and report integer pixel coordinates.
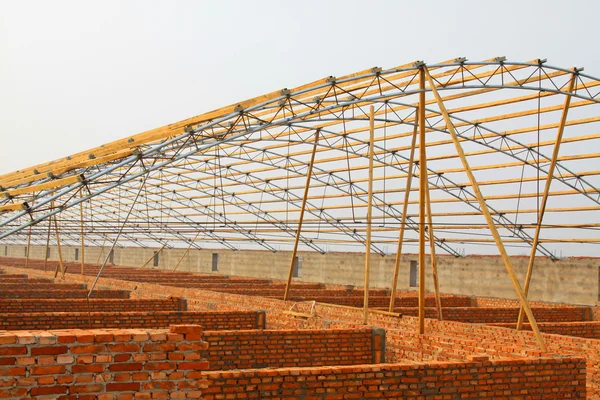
(93, 305)
(293, 348)
(107, 364)
(384, 301)
(589, 329)
(491, 336)
(483, 315)
(99, 320)
(408, 346)
(496, 302)
(29, 285)
(508, 379)
(62, 294)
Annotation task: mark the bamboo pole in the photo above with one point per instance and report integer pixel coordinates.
(369, 215)
(404, 214)
(423, 182)
(28, 247)
(154, 255)
(82, 233)
(436, 285)
(486, 213)
(101, 250)
(186, 251)
(48, 240)
(60, 258)
(536, 237)
(301, 218)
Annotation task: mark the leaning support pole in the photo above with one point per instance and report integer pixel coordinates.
(302, 209)
(48, 241)
(154, 255)
(118, 234)
(404, 212)
(28, 247)
(101, 250)
(538, 228)
(369, 214)
(423, 183)
(82, 232)
(186, 251)
(60, 258)
(436, 285)
(486, 212)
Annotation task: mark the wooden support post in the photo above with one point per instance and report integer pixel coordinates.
(186, 251)
(28, 247)
(101, 251)
(404, 213)
(82, 233)
(301, 218)
(538, 228)
(423, 182)
(60, 259)
(48, 241)
(154, 255)
(436, 285)
(369, 215)
(486, 212)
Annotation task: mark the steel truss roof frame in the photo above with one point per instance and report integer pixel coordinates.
(244, 144)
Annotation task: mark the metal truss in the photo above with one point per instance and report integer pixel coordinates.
(204, 170)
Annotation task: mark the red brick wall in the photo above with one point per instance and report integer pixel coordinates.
(159, 319)
(508, 379)
(106, 364)
(481, 315)
(62, 294)
(288, 348)
(29, 285)
(94, 305)
(524, 341)
(496, 302)
(330, 316)
(590, 329)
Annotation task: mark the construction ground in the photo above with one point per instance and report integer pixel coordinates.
(176, 334)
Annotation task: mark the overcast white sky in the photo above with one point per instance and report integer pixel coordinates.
(76, 74)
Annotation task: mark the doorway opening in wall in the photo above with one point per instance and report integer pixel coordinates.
(215, 262)
(48, 252)
(296, 268)
(76, 254)
(155, 261)
(414, 276)
(111, 257)
(25, 252)
(5, 250)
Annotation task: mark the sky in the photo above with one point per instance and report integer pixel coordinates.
(75, 75)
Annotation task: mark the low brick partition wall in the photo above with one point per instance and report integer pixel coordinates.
(32, 285)
(293, 348)
(489, 315)
(103, 364)
(24, 306)
(62, 294)
(384, 301)
(524, 341)
(408, 346)
(225, 320)
(15, 278)
(509, 379)
(590, 329)
(4, 275)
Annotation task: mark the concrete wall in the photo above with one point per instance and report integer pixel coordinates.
(571, 280)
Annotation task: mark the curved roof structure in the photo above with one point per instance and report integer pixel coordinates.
(236, 177)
